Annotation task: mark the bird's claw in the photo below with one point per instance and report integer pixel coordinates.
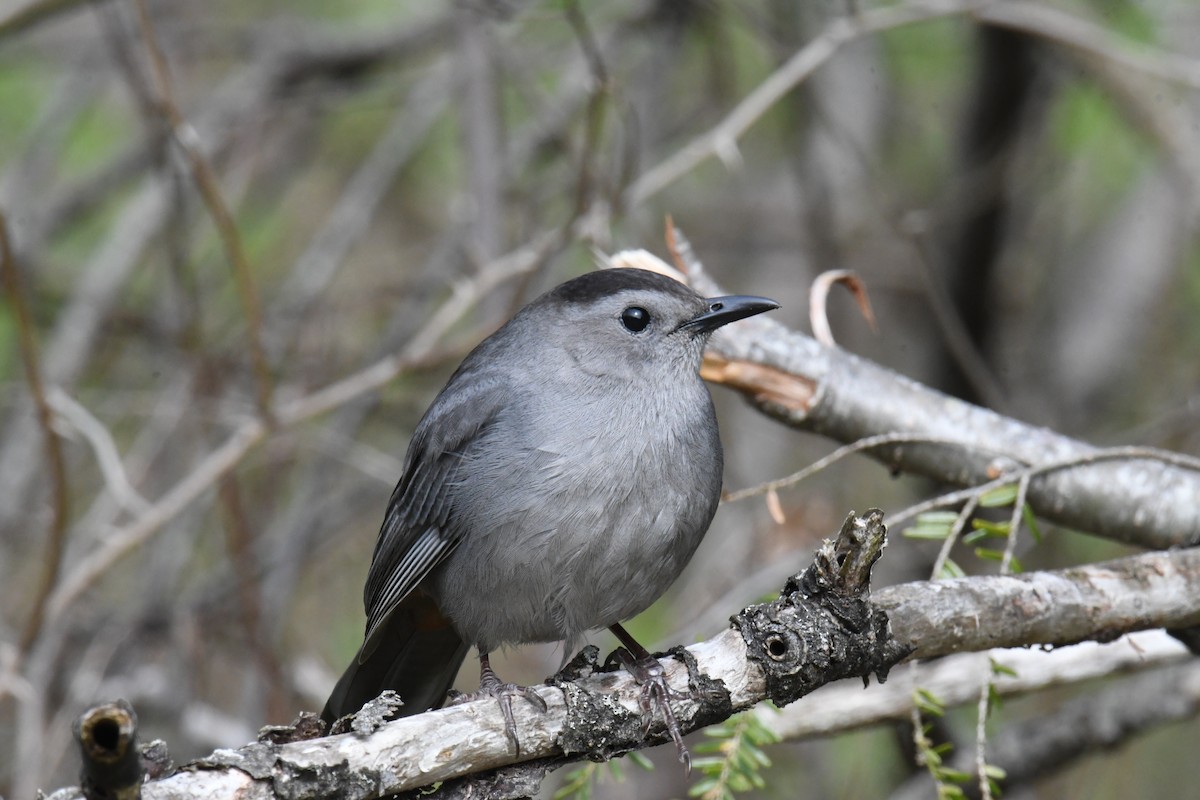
(655, 691)
(490, 685)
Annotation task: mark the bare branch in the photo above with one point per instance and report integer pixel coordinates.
(740, 666)
(721, 140)
(57, 532)
(1138, 495)
(34, 12)
(101, 441)
(1097, 601)
(205, 178)
(954, 680)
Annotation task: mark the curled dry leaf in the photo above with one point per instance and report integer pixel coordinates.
(819, 295)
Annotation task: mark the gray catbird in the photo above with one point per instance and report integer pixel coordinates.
(559, 483)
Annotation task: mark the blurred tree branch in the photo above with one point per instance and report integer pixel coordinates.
(1145, 498)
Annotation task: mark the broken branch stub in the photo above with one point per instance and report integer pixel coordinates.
(823, 627)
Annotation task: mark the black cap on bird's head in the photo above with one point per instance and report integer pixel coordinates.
(595, 285)
(717, 311)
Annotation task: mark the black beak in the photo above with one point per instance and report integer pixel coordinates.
(723, 310)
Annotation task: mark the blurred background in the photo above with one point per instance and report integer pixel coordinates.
(1017, 186)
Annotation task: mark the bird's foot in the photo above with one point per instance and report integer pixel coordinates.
(490, 685)
(656, 693)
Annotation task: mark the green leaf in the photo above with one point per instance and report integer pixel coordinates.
(1002, 669)
(974, 536)
(1004, 495)
(925, 531)
(991, 528)
(639, 759)
(989, 554)
(945, 748)
(578, 783)
(951, 569)
(955, 775)
(995, 701)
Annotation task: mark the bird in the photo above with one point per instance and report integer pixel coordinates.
(558, 484)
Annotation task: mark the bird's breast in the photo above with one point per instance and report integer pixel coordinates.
(586, 526)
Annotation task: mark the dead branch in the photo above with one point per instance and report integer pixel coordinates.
(823, 627)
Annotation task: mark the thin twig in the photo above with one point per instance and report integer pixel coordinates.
(721, 140)
(943, 555)
(1014, 524)
(1031, 18)
(205, 179)
(30, 14)
(1069, 30)
(1130, 453)
(597, 97)
(60, 500)
(101, 440)
(868, 443)
(984, 704)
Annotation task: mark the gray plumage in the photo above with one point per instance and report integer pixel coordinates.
(559, 483)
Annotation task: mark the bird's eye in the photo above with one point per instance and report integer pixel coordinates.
(635, 319)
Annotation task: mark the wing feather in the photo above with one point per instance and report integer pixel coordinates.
(419, 528)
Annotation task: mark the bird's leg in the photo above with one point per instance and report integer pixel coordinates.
(490, 685)
(649, 673)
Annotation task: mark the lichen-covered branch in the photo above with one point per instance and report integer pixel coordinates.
(1097, 602)
(823, 627)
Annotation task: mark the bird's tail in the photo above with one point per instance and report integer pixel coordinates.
(415, 651)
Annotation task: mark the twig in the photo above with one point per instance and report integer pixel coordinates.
(32, 13)
(1035, 19)
(1055, 25)
(205, 178)
(481, 131)
(1130, 453)
(846, 450)
(103, 446)
(983, 707)
(598, 97)
(956, 530)
(1014, 524)
(721, 140)
(60, 501)
(356, 207)
(108, 742)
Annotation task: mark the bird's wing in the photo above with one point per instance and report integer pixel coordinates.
(419, 527)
